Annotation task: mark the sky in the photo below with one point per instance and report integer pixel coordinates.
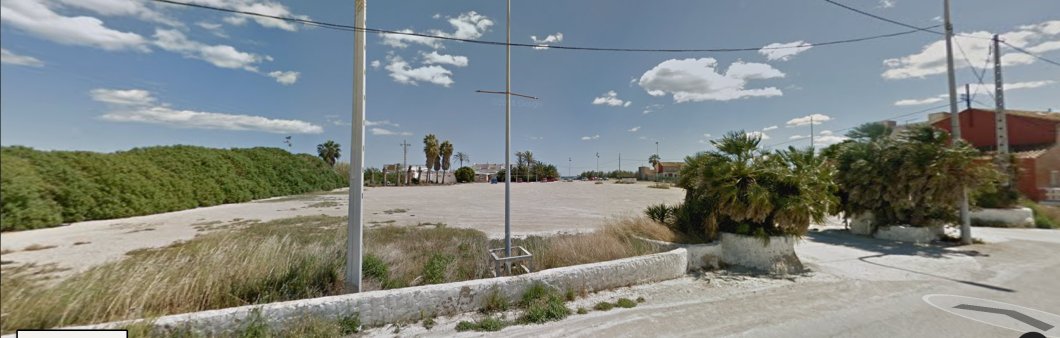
(110, 75)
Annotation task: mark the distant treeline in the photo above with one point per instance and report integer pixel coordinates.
(47, 188)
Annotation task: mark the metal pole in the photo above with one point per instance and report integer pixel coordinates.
(999, 112)
(955, 122)
(405, 160)
(659, 160)
(508, 136)
(354, 224)
(620, 165)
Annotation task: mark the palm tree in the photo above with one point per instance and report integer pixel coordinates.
(329, 151)
(870, 132)
(462, 157)
(446, 150)
(745, 191)
(430, 151)
(519, 158)
(654, 160)
(529, 158)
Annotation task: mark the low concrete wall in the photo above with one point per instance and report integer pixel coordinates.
(700, 256)
(410, 304)
(911, 234)
(1013, 218)
(861, 224)
(774, 256)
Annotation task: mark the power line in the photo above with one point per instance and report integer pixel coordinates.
(350, 28)
(852, 127)
(1021, 50)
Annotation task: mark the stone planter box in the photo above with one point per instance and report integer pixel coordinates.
(1012, 218)
(700, 256)
(910, 234)
(776, 256)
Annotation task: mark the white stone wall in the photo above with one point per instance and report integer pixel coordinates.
(861, 224)
(700, 256)
(774, 256)
(911, 234)
(1014, 218)
(411, 304)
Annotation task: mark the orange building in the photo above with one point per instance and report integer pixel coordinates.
(1034, 139)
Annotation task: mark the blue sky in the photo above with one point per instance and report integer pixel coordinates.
(106, 75)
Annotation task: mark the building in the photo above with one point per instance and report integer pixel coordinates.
(1034, 139)
(645, 173)
(669, 170)
(487, 171)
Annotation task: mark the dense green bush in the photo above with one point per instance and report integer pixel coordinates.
(47, 188)
(465, 175)
(913, 178)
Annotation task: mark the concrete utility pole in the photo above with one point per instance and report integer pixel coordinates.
(658, 160)
(404, 160)
(597, 163)
(620, 164)
(955, 122)
(811, 131)
(569, 166)
(354, 224)
(999, 112)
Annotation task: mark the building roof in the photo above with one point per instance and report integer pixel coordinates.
(1044, 115)
(1030, 153)
(671, 164)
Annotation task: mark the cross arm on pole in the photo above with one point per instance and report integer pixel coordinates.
(503, 92)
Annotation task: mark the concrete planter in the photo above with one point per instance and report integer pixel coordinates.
(861, 224)
(910, 234)
(776, 256)
(1012, 218)
(700, 256)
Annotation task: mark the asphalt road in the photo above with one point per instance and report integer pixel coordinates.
(859, 287)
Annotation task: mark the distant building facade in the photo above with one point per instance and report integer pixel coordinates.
(669, 170)
(486, 172)
(1034, 139)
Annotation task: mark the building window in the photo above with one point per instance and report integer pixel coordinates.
(1054, 178)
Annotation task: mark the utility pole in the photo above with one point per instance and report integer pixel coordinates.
(569, 166)
(355, 219)
(955, 122)
(659, 160)
(620, 164)
(507, 133)
(811, 131)
(597, 163)
(967, 96)
(999, 112)
(405, 159)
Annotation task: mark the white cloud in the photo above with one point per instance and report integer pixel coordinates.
(208, 25)
(387, 132)
(550, 39)
(634, 129)
(380, 123)
(886, 4)
(770, 128)
(931, 60)
(266, 7)
(918, 102)
(39, 20)
(11, 58)
(375, 64)
(699, 80)
(805, 120)
(652, 108)
(470, 25)
(976, 88)
(123, 97)
(611, 99)
(334, 119)
(796, 137)
(133, 8)
(707, 135)
(827, 138)
(401, 72)
(784, 51)
(434, 58)
(223, 56)
(137, 105)
(589, 138)
(285, 78)
(758, 134)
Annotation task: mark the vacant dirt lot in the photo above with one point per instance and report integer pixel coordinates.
(537, 208)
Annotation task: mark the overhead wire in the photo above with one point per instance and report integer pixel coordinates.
(852, 127)
(343, 27)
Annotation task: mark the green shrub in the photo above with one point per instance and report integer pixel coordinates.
(435, 269)
(660, 213)
(374, 267)
(545, 309)
(1045, 217)
(495, 302)
(488, 324)
(46, 188)
(465, 175)
(582, 311)
(625, 303)
(350, 324)
(603, 306)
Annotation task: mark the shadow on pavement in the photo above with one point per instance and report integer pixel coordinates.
(890, 248)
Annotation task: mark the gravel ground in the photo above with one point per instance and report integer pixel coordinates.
(537, 208)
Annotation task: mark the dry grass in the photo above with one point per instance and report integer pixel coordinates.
(38, 247)
(6, 251)
(280, 260)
